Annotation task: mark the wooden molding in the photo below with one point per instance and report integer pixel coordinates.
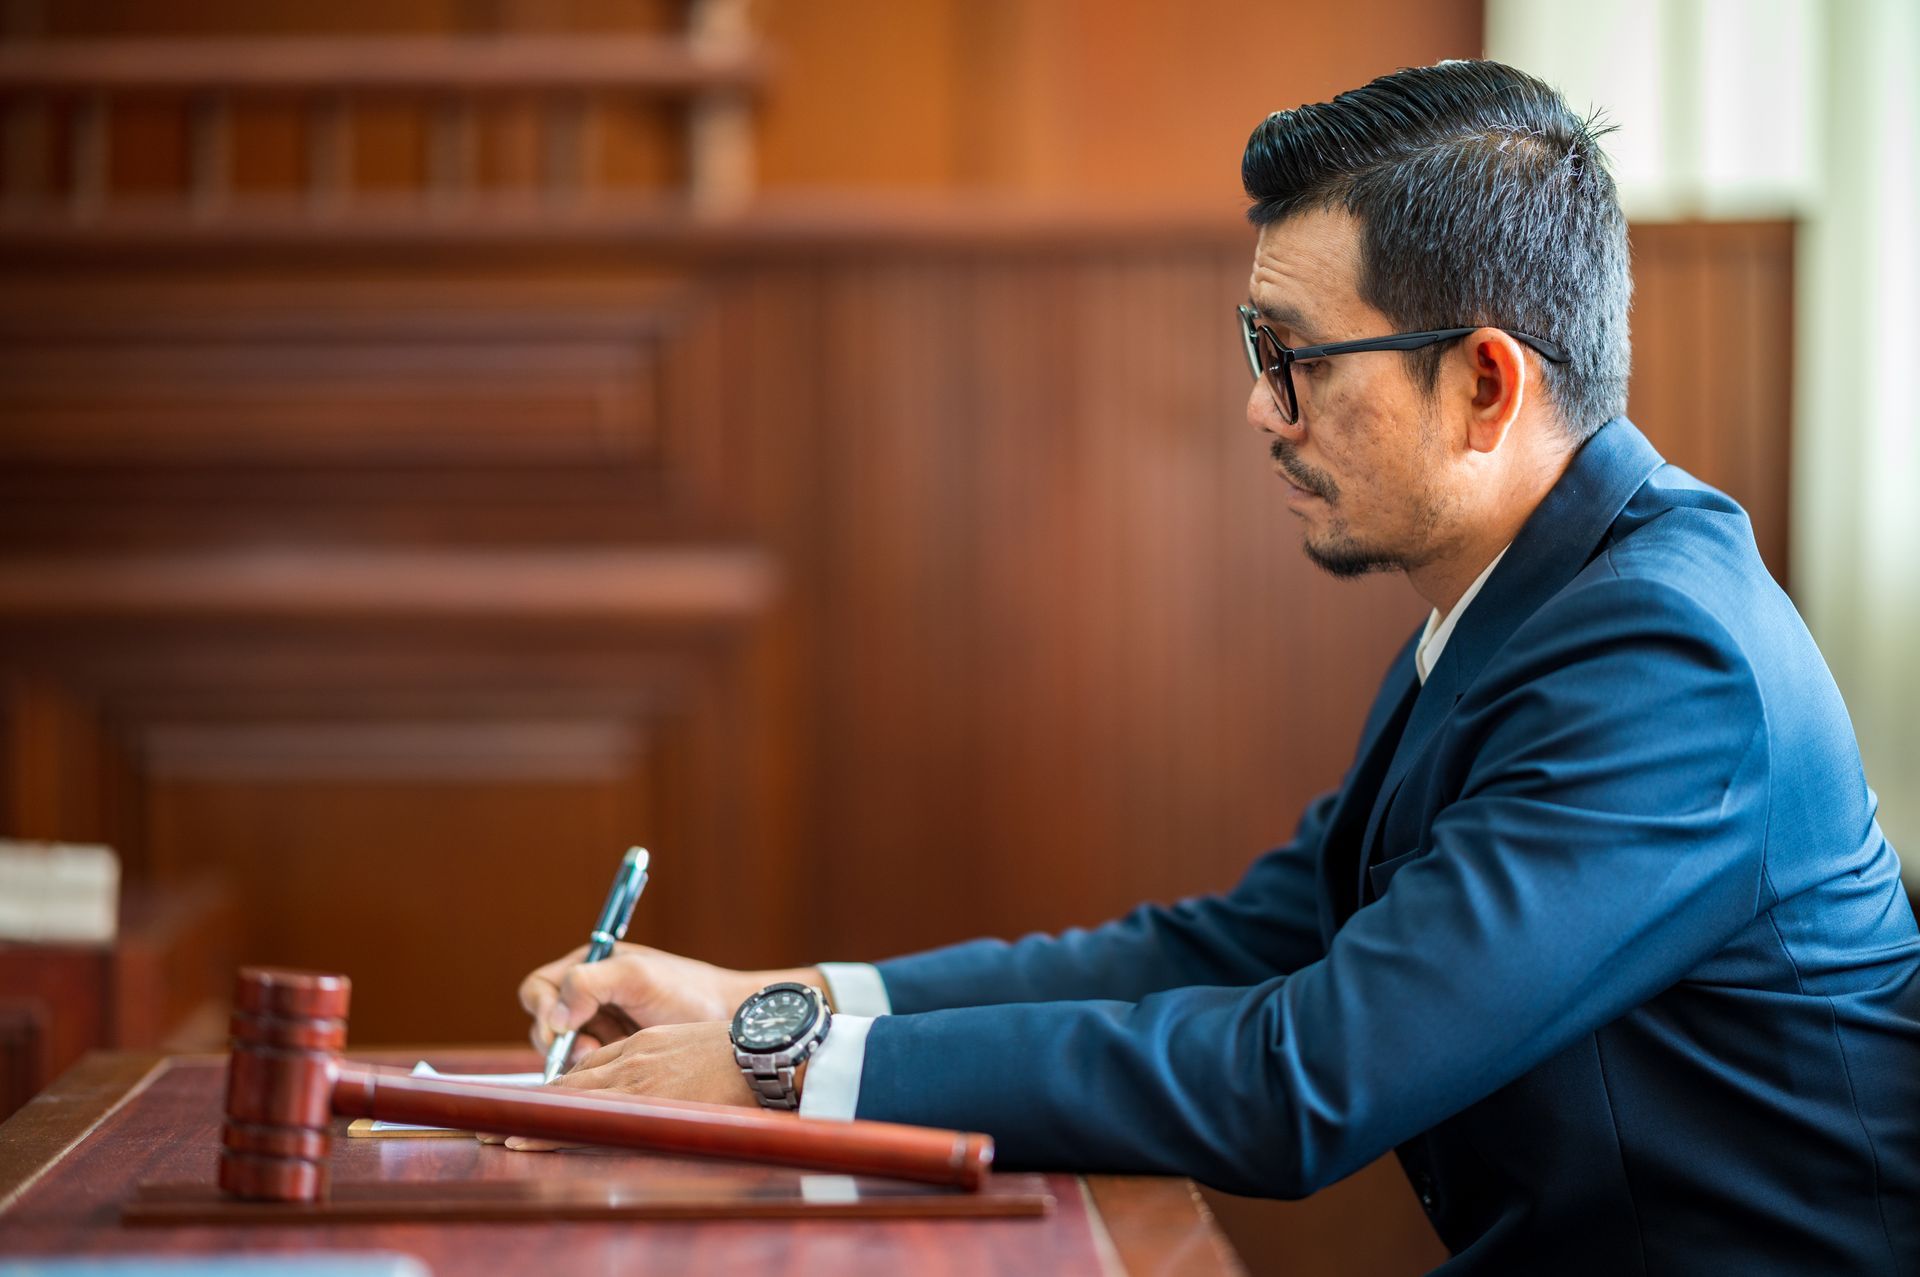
(634, 585)
(467, 749)
(401, 398)
(666, 223)
(661, 65)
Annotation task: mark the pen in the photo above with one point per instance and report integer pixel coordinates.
(628, 883)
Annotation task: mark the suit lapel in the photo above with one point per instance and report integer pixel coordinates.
(1342, 858)
(1558, 540)
(1430, 708)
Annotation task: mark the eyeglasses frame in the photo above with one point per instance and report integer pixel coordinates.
(1280, 376)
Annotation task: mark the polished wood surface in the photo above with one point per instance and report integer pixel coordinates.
(288, 1030)
(73, 1157)
(734, 1197)
(63, 1115)
(286, 1080)
(679, 1127)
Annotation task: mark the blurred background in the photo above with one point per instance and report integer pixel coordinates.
(443, 442)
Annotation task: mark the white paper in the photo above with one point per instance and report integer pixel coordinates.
(423, 1069)
(58, 893)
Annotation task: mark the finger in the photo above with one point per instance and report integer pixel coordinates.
(542, 985)
(584, 1041)
(488, 1137)
(527, 1144)
(592, 1079)
(584, 1045)
(610, 1024)
(583, 990)
(599, 1057)
(540, 993)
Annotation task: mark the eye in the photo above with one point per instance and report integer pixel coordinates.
(1311, 367)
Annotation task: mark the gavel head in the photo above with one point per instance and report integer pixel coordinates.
(288, 1030)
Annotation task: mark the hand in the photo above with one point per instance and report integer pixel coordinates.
(674, 1061)
(635, 988)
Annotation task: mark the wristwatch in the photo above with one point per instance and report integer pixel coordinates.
(773, 1033)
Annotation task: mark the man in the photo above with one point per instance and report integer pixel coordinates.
(1599, 933)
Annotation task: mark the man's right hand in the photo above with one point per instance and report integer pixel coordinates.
(636, 988)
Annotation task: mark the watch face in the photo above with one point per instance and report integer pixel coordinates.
(772, 1021)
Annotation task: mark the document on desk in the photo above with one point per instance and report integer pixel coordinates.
(374, 1126)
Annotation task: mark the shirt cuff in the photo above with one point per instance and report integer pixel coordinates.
(832, 1090)
(856, 988)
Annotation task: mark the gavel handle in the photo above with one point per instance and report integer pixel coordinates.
(668, 1126)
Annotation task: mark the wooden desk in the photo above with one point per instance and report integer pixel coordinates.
(70, 1158)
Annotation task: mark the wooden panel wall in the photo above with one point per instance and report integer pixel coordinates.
(1058, 578)
(1104, 100)
(1713, 360)
(1090, 100)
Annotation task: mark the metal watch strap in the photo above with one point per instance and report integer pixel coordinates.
(774, 1076)
(775, 1089)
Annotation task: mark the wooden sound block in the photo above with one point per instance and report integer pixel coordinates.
(788, 1196)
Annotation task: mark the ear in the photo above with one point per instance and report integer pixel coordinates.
(1499, 370)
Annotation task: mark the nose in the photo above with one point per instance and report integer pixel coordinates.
(1264, 414)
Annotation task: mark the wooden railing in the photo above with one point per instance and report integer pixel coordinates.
(65, 93)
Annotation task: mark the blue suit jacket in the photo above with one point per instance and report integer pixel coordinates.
(1607, 944)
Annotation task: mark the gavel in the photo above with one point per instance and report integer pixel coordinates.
(286, 1079)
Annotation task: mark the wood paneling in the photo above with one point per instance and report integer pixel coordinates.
(1713, 360)
(401, 383)
(1057, 579)
(138, 406)
(1115, 100)
(450, 119)
(23, 1036)
(437, 799)
(290, 67)
(1082, 100)
(120, 1119)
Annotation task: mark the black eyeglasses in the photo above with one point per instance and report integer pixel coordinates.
(1273, 363)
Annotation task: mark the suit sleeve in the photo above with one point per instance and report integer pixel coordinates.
(1267, 925)
(1607, 837)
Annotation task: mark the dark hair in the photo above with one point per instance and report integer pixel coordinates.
(1482, 200)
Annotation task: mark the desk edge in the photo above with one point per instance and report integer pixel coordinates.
(53, 1122)
(1161, 1231)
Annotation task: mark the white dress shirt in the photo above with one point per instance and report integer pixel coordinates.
(859, 995)
(1440, 629)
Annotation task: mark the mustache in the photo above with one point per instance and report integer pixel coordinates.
(1301, 475)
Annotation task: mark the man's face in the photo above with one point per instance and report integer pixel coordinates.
(1365, 463)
